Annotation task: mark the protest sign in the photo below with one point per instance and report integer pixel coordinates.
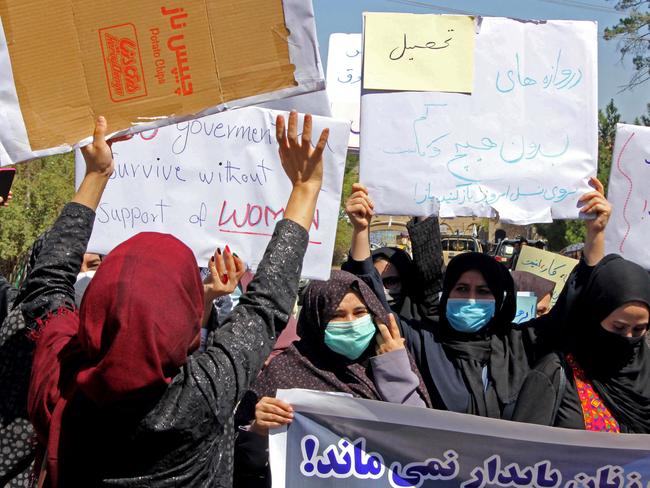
(523, 145)
(341, 441)
(629, 193)
(425, 52)
(214, 181)
(143, 67)
(549, 265)
(526, 307)
(344, 80)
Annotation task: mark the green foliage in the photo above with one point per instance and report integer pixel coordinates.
(607, 121)
(344, 228)
(644, 119)
(633, 34)
(41, 188)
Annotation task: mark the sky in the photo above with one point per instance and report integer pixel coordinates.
(345, 16)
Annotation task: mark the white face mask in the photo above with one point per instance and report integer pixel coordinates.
(83, 280)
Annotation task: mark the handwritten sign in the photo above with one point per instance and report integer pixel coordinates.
(629, 226)
(214, 181)
(526, 307)
(344, 80)
(418, 52)
(549, 265)
(522, 145)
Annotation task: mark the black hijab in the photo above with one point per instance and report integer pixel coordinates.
(496, 346)
(618, 369)
(405, 306)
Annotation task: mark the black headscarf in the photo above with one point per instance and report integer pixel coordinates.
(405, 307)
(618, 369)
(497, 345)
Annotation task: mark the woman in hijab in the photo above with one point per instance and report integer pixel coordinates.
(395, 267)
(119, 395)
(540, 287)
(472, 359)
(348, 344)
(601, 380)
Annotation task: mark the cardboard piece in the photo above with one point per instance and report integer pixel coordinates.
(344, 80)
(145, 63)
(424, 52)
(214, 181)
(549, 265)
(629, 226)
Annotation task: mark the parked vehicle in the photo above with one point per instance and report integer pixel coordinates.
(454, 245)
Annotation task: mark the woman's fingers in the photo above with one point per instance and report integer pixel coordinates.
(393, 328)
(384, 334)
(597, 185)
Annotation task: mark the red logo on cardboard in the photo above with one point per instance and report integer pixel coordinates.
(122, 62)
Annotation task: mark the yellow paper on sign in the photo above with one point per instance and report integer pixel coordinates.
(549, 265)
(418, 52)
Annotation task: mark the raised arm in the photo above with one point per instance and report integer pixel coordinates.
(50, 285)
(595, 205)
(428, 263)
(238, 349)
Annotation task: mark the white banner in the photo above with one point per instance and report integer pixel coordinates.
(522, 145)
(629, 193)
(344, 80)
(214, 181)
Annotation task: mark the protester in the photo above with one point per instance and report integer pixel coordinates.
(117, 396)
(600, 381)
(473, 360)
(409, 294)
(540, 287)
(348, 344)
(89, 265)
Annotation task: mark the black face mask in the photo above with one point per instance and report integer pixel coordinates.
(605, 352)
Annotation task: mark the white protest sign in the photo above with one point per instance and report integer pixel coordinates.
(522, 145)
(629, 193)
(344, 80)
(214, 181)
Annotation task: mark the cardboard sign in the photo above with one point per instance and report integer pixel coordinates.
(523, 145)
(549, 265)
(144, 62)
(214, 181)
(424, 52)
(344, 81)
(526, 307)
(629, 193)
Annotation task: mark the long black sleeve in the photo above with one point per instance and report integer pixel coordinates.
(50, 284)
(428, 263)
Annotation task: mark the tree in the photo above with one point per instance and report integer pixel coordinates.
(633, 32)
(644, 119)
(344, 228)
(41, 188)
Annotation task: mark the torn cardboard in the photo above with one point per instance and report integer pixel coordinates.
(143, 64)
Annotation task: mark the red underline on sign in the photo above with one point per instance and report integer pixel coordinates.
(258, 234)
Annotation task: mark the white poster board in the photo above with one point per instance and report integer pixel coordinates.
(214, 181)
(522, 145)
(629, 193)
(344, 80)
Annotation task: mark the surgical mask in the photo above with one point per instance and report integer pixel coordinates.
(469, 315)
(350, 339)
(234, 296)
(83, 280)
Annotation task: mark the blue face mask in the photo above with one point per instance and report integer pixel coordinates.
(350, 339)
(234, 296)
(468, 315)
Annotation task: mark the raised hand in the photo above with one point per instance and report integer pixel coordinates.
(4, 203)
(302, 163)
(271, 413)
(595, 203)
(98, 154)
(388, 338)
(226, 270)
(359, 207)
